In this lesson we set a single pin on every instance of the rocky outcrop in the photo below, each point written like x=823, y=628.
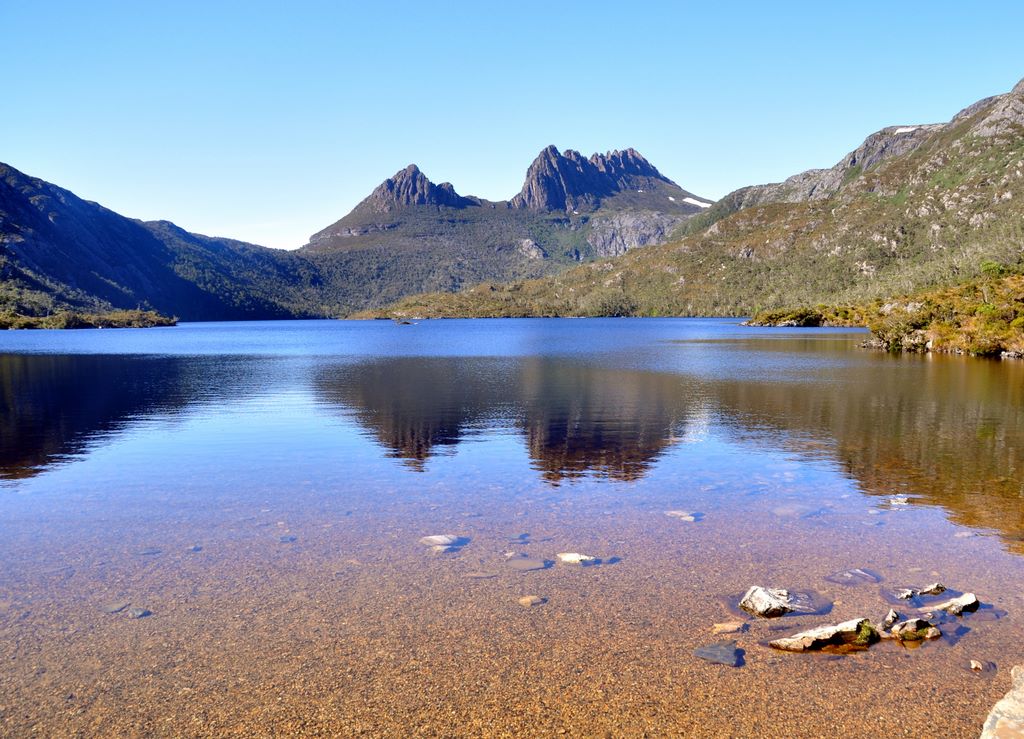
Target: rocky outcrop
x=618, y=233
x=411, y=187
x=570, y=182
x=531, y=249
x=1006, y=116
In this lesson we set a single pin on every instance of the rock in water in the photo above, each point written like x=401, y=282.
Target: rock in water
x=526, y=564
x=857, y=632
x=575, y=558
x=956, y=606
x=139, y=613
x=915, y=629
x=766, y=602
x=890, y=618
x=730, y=627
x=1006, y=719
x=442, y=540
x=684, y=515
x=115, y=606
x=934, y=589
x=529, y=601
x=721, y=653
x=857, y=576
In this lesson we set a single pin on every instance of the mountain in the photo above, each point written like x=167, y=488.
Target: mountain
x=912, y=207
x=409, y=235
x=57, y=250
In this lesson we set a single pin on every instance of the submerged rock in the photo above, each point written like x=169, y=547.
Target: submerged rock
x=1006, y=719
x=685, y=515
x=139, y=613
x=575, y=558
x=444, y=543
x=858, y=576
x=730, y=627
x=527, y=564
x=115, y=606
x=529, y=601
x=956, y=606
x=288, y=539
x=857, y=632
x=721, y=653
x=444, y=540
x=915, y=629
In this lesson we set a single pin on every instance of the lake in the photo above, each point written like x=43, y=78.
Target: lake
x=215, y=528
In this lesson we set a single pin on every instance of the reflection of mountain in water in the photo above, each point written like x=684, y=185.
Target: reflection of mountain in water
x=577, y=418
x=53, y=406
x=950, y=430
x=415, y=405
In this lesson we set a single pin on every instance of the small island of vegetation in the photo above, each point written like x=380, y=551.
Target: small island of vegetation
x=72, y=319
x=982, y=317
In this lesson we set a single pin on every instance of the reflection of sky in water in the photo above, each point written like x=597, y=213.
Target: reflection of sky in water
x=371, y=407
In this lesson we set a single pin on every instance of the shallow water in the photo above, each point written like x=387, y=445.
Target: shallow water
x=261, y=489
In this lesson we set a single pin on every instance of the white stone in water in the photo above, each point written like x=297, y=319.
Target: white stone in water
x=574, y=558
x=906, y=593
x=956, y=606
x=1006, y=719
x=439, y=540
x=934, y=589
x=529, y=601
x=890, y=618
x=766, y=602
x=682, y=515
x=899, y=500
x=847, y=632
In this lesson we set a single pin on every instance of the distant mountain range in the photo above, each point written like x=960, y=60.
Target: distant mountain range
x=914, y=206
x=409, y=235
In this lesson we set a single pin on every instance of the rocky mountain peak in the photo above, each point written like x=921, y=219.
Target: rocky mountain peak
x=410, y=186
x=569, y=181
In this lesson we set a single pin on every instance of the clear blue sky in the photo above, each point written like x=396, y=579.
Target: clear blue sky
x=266, y=121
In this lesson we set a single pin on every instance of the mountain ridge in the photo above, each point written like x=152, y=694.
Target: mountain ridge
x=911, y=207
x=59, y=251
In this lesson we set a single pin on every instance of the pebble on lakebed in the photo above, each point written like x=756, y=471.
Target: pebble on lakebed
x=721, y=653
x=688, y=516
x=528, y=564
x=139, y=613
x=575, y=558
x=444, y=543
x=529, y=601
